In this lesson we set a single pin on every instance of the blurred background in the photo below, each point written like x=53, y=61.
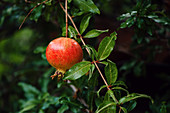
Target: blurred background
x=142, y=50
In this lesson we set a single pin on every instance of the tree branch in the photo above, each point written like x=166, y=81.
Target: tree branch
x=85, y=45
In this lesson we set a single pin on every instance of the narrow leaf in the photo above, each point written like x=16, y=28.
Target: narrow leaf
x=123, y=109
x=72, y=32
x=132, y=97
x=77, y=70
x=112, y=95
x=63, y=108
x=86, y=6
x=92, y=67
x=93, y=52
x=29, y=107
x=131, y=105
x=30, y=91
x=94, y=33
x=100, y=89
x=84, y=23
x=111, y=72
x=107, y=104
x=107, y=97
x=108, y=109
x=120, y=88
x=120, y=83
x=93, y=80
x=105, y=48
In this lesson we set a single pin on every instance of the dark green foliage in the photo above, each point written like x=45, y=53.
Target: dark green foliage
x=26, y=85
x=147, y=22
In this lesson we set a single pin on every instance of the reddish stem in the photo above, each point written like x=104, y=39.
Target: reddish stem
x=66, y=19
x=31, y=11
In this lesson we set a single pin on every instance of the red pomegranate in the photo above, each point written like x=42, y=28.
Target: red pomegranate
x=62, y=53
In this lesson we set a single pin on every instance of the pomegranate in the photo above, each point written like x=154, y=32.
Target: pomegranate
x=62, y=53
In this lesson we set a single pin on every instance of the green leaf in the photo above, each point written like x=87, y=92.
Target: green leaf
x=77, y=70
x=43, y=81
x=36, y=13
x=107, y=97
x=69, y=1
x=105, y=48
x=104, y=62
x=90, y=99
x=93, y=52
x=72, y=32
x=76, y=12
x=128, y=65
x=123, y=109
x=48, y=2
x=131, y=105
x=40, y=49
x=29, y=107
x=100, y=90
x=120, y=88
x=93, y=80
x=111, y=72
x=41, y=111
x=86, y=6
x=85, y=22
x=30, y=91
x=112, y=95
x=103, y=106
x=63, y=108
x=92, y=67
x=163, y=108
x=114, y=35
x=128, y=23
x=132, y=97
x=98, y=101
x=107, y=110
x=94, y=33
x=2, y=20
x=120, y=83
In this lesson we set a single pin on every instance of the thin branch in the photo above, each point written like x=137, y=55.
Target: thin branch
x=29, y=1
x=66, y=19
x=84, y=45
x=120, y=110
x=80, y=99
x=74, y=27
x=31, y=11
x=101, y=75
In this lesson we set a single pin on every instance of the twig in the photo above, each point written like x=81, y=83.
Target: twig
x=80, y=99
x=29, y=1
x=74, y=27
x=101, y=75
x=31, y=11
x=120, y=110
x=66, y=19
x=84, y=45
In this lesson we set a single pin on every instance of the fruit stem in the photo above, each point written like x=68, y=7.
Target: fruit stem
x=66, y=19
x=81, y=38
x=57, y=73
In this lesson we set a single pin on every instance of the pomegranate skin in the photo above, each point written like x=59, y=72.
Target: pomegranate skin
x=62, y=53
